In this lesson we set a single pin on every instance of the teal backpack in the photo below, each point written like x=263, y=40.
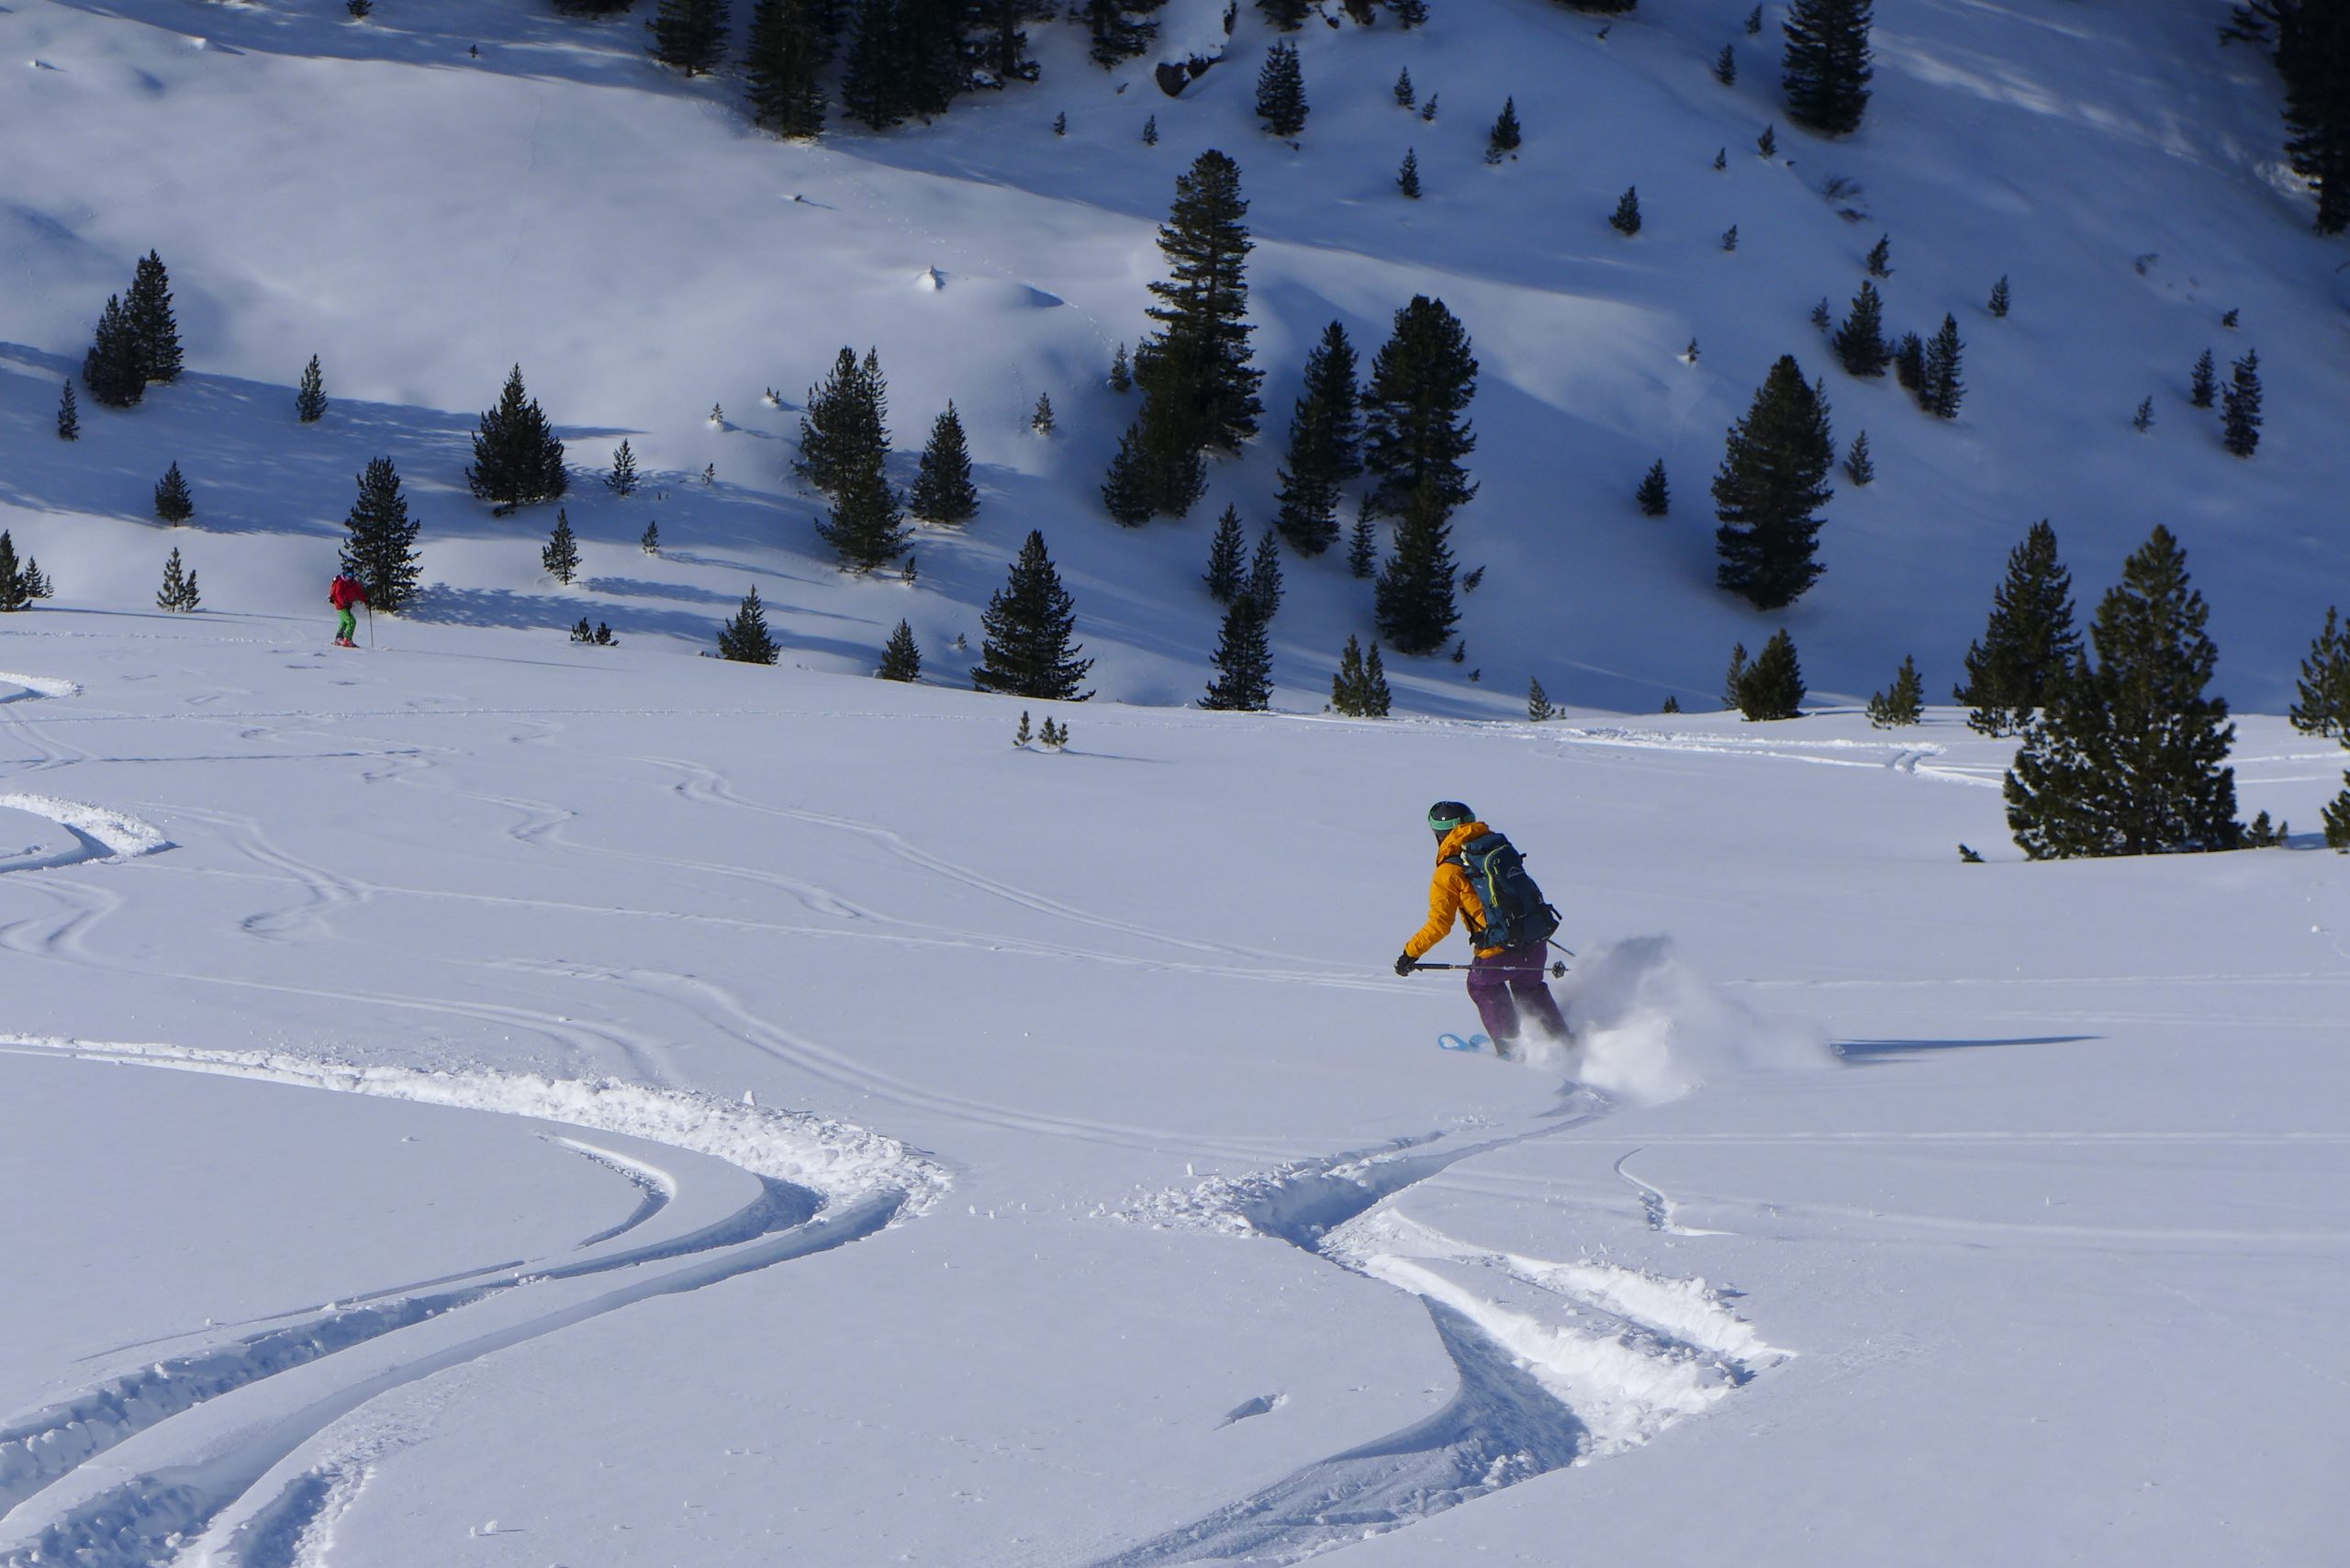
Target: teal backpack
x=1516, y=912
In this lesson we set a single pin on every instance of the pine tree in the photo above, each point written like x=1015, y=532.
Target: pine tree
x=1242, y=660
x=69, y=417
x=1999, y=297
x=2323, y=690
x=1359, y=688
x=1735, y=676
x=178, y=593
x=379, y=549
x=865, y=526
x=1726, y=66
x=517, y=459
x=1826, y=72
x=1729, y=241
x=561, y=556
x=1654, y=497
x=1627, y=217
x=2336, y=817
x=2144, y=418
x=1280, y=92
x=311, y=400
x=1406, y=97
x=650, y=540
x=2129, y=756
x=1041, y=419
x=1265, y=575
x=690, y=35
x=901, y=659
x=1767, y=144
x=1772, y=687
x=1905, y=704
x=1428, y=110
x=1150, y=132
x=174, y=503
x=1909, y=363
x=1122, y=376
x=781, y=56
x=1754, y=21
x=1061, y=123
x=875, y=89
x=844, y=429
x=1770, y=488
x=621, y=480
x=2201, y=386
x=1409, y=13
x=1027, y=650
x=112, y=369
x=1722, y=159
x=1287, y=15
x=1538, y=702
x=1860, y=341
x=1362, y=544
x=1859, y=467
x=1407, y=178
x=1880, y=257
x=1227, y=555
x=942, y=491
x=1126, y=491
x=1325, y=446
x=2312, y=55
x=1414, y=604
x=746, y=639
x=2029, y=644
x=1414, y=429
x=1940, y=389
x=1020, y=735
x=2239, y=407
x=152, y=325
x=1200, y=357
x=1505, y=137
x=15, y=590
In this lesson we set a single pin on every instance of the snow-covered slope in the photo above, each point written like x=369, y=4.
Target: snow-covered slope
x=423, y=216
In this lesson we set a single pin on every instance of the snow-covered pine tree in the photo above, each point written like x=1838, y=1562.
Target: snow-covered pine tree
x=1859, y=466
x=1771, y=485
x=1860, y=341
x=942, y=491
x=2323, y=694
x=380, y=544
x=2239, y=407
x=690, y=35
x=2203, y=383
x=1505, y=136
x=901, y=658
x=781, y=56
x=174, y=502
x=2000, y=299
x=2129, y=756
x=1772, y=687
x=1538, y=702
x=1654, y=497
x=69, y=417
x=517, y=459
x=178, y=593
x=866, y=528
x=1940, y=389
x=1905, y=703
x=1280, y=91
x=1826, y=70
x=1325, y=446
x=1242, y=660
x=112, y=369
x=1414, y=603
x=152, y=325
x=560, y=556
x=1625, y=220
x=1227, y=558
x=2030, y=643
x=1264, y=583
x=310, y=398
x=621, y=481
x=1407, y=178
x=1026, y=651
x=746, y=639
x=1414, y=430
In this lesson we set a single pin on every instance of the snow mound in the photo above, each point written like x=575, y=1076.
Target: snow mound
x=119, y=835
x=38, y=684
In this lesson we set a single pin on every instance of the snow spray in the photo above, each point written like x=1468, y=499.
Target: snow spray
x=1648, y=1028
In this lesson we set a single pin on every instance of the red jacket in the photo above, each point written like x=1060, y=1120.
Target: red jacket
x=345, y=592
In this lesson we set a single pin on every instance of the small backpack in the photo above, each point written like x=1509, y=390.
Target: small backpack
x=1516, y=912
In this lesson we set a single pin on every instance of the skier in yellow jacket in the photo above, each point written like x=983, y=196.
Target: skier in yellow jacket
x=1502, y=981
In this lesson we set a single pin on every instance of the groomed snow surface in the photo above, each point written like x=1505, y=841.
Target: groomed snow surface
x=488, y=1101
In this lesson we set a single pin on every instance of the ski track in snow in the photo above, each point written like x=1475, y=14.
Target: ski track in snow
x=1558, y=1363
x=808, y=1185
x=1916, y=759
x=99, y=834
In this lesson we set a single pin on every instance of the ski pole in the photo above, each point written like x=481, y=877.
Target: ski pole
x=1557, y=970
x=1563, y=948
x=371, y=628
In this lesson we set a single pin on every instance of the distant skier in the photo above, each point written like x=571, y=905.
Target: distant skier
x=342, y=593
x=1481, y=878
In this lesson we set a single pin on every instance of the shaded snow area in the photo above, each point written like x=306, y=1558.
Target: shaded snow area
x=479, y=1098
x=529, y=1112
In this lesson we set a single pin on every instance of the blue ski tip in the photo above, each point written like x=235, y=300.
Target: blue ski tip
x=1455, y=1043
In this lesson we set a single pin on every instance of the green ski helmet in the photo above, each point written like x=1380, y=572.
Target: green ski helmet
x=1446, y=815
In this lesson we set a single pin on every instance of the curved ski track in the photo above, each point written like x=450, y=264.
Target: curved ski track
x=759, y=1188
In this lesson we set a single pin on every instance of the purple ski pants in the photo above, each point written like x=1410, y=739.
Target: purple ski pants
x=1510, y=982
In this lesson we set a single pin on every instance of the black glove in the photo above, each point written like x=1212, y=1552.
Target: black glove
x=1406, y=964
